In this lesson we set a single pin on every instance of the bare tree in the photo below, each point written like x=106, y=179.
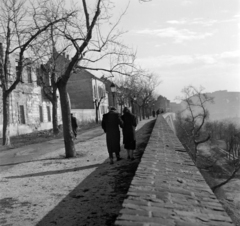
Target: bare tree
x=90, y=45
x=123, y=93
x=48, y=73
x=232, y=139
x=195, y=115
x=21, y=25
x=145, y=86
x=49, y=50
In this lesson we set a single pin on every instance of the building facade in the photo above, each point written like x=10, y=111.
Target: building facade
x=86, y=92
x=29, y=110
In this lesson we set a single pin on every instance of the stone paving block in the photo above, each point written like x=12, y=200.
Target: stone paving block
x=135, y=212
x=184, y=223
x=180, y=191
x=217, y=223
x=143, y=188
x=144, y=219
x=219, y=217
x=134, y=204
x=127, y=223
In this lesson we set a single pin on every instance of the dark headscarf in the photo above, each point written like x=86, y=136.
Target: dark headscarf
x=126, y=110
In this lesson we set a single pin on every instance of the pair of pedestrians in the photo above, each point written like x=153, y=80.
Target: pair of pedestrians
x=110, y=124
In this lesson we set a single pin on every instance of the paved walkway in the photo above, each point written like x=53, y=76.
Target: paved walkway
x=32, y=152
x=168, y=189
x=52, y=190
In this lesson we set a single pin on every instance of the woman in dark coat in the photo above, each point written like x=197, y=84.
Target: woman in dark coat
x=129, y=136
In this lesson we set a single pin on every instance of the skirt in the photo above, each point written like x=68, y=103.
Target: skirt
x=131, y=145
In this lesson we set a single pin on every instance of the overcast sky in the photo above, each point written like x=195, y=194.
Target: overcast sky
x=186, y=42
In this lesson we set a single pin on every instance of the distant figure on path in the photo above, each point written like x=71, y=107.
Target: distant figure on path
x=153, y=114
x=158, y=112
x=110, y=124
x=74, y=125
x=129, y=135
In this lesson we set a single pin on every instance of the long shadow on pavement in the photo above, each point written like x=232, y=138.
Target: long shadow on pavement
x=98, y=199
x=52, y=172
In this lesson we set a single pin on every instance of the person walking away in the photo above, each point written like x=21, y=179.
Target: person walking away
x=153, y=114
x=158, y=112
x=74, y=125
x=129, y=134
x=110, y=124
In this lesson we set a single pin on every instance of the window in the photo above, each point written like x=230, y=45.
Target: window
x=21, y=115
x=40, y=113
x=49, y=113
x=94, y=92
x=100, y=92
x=29, y=74
x=17, y=70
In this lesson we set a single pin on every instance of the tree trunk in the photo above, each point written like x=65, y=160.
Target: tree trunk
x=143, y=112
x=97, y=114
x=54, y=112
x=6, y=120
x=195, y=153
x=140, y=115
x=66, y=119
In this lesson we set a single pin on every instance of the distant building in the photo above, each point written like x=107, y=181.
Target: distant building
x=85, y=91
x=162, y=103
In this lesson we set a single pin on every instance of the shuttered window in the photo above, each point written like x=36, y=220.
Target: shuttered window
x=21, y=115
x=49, y=113
x=29, y=74
x=40, y=113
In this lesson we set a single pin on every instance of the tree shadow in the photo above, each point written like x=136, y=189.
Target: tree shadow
x=98, y=199
x=61, y=157
x=39, y=160
x=52, y=172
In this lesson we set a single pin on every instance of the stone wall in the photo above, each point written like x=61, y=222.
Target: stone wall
x=84, y=115
x=30, y=97
x=168, y=189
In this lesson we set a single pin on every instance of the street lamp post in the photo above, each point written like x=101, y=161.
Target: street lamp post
x=147, y=109
x=113, y=90
x=133, y=100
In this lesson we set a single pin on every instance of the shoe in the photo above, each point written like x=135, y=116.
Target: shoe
x=111, y=161
x=118, y=158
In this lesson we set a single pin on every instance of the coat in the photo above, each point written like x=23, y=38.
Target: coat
x=110, y=124
x=129, y=125
x=74, y=122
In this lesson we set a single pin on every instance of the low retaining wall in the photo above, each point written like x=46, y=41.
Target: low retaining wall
x=168, y=189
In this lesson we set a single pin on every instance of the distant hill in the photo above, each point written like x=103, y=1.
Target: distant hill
x=226, y=105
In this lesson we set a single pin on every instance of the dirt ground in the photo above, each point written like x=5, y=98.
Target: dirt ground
x=53, y=190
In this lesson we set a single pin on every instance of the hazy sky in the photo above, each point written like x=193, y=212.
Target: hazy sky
x=186, y=42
